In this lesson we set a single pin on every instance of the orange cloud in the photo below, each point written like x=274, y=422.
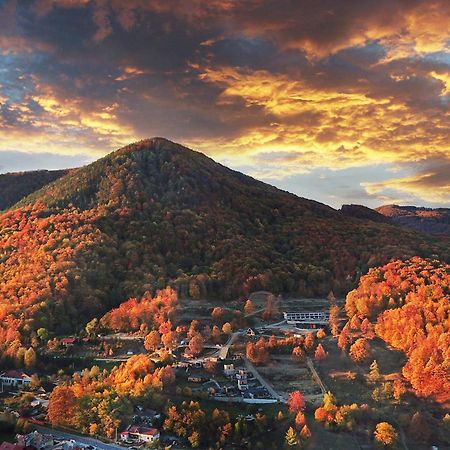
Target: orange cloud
x=351, y=128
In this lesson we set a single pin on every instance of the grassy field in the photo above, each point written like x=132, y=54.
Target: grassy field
x=323, y=439
x=337, y=370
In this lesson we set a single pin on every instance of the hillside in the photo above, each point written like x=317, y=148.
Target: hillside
x=363, y=212
x=409, y=302
x=17, y=185
x=425, y=220
x=156, y=213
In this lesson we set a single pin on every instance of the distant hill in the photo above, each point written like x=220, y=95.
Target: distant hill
x=154, y=214
x=426, y=220
x=17, y=185
x=363, y=212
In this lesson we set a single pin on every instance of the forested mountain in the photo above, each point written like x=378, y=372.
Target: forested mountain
x=154, y=214
x=17, y=185
x=426, y=220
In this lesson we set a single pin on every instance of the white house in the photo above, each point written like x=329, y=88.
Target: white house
x=241, y=377
x=14, y=379
x=136, y=433
x=229, y=370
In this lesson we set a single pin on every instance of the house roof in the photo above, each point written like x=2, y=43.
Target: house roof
x=142, y=430
x=68, y=340
x=149, y=431
x=15, y=374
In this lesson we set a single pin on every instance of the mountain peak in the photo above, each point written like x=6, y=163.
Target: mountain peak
x=148, y=171
x=156, y=143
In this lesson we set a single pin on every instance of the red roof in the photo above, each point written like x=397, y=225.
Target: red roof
x=15, y=374
x=141, y=430
x=9, y=446
x=68, y=340
x=149, y=431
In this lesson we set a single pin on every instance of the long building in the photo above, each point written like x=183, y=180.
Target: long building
x=310, y=317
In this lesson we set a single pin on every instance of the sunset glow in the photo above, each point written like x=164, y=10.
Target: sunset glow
x=340, y=101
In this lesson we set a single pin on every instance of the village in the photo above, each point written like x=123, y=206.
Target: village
x=226, y=373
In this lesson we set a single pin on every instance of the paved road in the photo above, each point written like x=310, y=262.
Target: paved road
x=315, y=375
x=223, y=352
x=251, y=368
x=253, y=313
x=82, y=439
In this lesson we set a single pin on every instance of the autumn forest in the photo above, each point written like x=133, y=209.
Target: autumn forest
x=127, y=244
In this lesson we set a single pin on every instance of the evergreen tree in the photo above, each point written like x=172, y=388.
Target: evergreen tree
x=374, y=373
x=291, y=438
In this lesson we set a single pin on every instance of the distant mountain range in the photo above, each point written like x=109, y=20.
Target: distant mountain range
x=425, y=220
x=155, y=213
x=15, y=186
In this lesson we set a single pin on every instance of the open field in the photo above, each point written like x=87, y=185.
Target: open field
x=346, y=379
x=287, y=375
x=323, y=439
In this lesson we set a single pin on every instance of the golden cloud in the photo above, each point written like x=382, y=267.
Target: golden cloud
x=63, y=125
x=351, y=128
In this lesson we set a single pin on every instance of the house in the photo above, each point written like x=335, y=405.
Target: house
x=36, y=440
x=182, y=364
x=231, y=391
x=241, y=377
x=242, y=384
x=197, y=379
x=68, y=341
x=250, y=332
x=229, y=370
x=142, y=434
x=9, y=446
x=14, y=379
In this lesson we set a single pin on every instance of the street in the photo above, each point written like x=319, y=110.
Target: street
x=63, y=435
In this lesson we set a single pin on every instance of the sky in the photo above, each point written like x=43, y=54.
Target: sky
x=341, y=101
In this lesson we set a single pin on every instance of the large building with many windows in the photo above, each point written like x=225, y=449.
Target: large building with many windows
x=309, y=317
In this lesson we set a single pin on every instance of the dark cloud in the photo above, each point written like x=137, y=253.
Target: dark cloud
x=293, y=86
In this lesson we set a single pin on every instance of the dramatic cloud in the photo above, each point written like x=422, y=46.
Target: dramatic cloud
x=296, y=93
x=432, y=183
